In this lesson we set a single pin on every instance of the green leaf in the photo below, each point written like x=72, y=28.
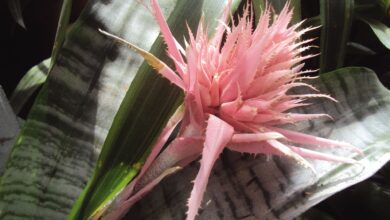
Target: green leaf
x=278, y=5
x=380, y=30
x=258, y=6
x=336, y=18
x=242, y=186
x=16, y=12
x=297, y=16
x=62, y=26
x=142, y=112
x=30, y=82
x=9, y=129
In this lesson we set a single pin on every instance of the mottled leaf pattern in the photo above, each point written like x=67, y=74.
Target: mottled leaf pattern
x=59, y=142
x=244, y=187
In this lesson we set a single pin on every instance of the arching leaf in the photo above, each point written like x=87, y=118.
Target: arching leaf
x=30, y=82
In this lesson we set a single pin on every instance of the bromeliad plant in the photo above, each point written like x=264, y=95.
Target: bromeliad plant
x=57, y=147
x=236, y=96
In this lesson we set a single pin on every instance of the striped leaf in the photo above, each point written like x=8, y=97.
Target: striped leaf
x=58, y=146
x=244, y=187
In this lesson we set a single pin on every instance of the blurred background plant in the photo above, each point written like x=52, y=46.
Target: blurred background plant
x=352, y=33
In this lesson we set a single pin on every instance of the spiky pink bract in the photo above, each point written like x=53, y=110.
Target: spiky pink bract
x=236, y=95
x=236, y=91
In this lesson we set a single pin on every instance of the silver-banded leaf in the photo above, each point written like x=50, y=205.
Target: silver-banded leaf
x=58, y=146
x=9, y=129
x=59, y=142
x=336, y=20
x=244, y=187
x=31, y=81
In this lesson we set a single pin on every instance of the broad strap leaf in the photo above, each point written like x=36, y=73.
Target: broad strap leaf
x=58, y=146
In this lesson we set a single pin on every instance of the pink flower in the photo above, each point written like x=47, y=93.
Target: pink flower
x=235, y=97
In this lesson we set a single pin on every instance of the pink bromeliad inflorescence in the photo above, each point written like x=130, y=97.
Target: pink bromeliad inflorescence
x=235, y=97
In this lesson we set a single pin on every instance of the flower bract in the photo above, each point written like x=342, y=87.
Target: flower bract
x=236, y=85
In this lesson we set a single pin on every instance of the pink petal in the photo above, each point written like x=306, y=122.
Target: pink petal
x=230, y=108
x=266, y=83
x=286, y=151
x=314, y=96
x=180, y=152
x=246, y=113
x=193, y=100
x=170, y=75
x=296, y=117
x=298, y=84
x=243, y=74
x=218, y=134
x=320, y=156
x=194, y=115
x=254, y=137
x=270, y=147
x=254, y=148
x=266, y=117
x=301, y=138
x=221, y=27
x=119, y=212
x=166, y=32
x=156, y=149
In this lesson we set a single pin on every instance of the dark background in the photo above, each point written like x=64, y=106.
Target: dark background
x=23, y=48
